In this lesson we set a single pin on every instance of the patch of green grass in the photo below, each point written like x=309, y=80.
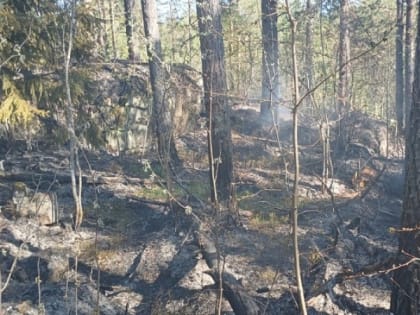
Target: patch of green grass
x=265, y=205
x=137, y=170
x=263, y=201
x=115, y=213
x=155, y=192
x=254, y=204
x=315, y=256
x=268, y=274
x=159, y=193
x=145, y=169
x=268, y=219
x=199, y=189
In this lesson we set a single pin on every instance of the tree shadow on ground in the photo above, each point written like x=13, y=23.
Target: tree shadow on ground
x=159, y=291
x=287, y=304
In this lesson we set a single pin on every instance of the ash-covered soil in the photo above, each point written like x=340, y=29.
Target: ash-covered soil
x=136, y=252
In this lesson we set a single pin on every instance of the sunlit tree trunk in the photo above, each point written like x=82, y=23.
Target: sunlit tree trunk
x=102, y=32
x=344, y=76
x=218, y=111
x=270, y=89
x=112, y=20
x=405, y=298
x=408, y=58
x=162, y=118
x=399, y=66
x=309, y=48
x=190, y=29
x=296, y=178
x=75, y=171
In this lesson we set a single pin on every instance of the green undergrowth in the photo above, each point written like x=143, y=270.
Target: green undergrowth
x=116, y=214
x=269, y=207
x=153, y=192
x=158, y=192
x=269, y=219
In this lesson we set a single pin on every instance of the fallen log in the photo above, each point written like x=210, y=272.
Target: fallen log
x=63, y=177
x=36, y=178
x=240, y=300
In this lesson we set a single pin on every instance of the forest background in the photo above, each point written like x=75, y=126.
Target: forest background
x=152, y=80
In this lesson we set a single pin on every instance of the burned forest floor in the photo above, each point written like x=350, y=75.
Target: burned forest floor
x=137, y=251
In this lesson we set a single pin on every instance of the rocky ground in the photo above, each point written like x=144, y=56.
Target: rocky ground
x=137, y=253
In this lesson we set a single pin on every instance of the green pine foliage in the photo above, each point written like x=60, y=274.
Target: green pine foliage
x=34, y=36
x=14, y=108
x=33, y=43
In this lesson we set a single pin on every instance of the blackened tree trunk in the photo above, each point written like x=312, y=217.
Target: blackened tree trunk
x=405, y=298
x=128, y=12
x=270, y=92
x=161, y=115
x=344, y=77
x=399, y=67
x=215, y=101
x=408, y=64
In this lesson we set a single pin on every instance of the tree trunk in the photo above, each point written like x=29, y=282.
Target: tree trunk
x=128, y=12
x=190, y=30
x=100, y=41
x=343, y=89
x=296, y=159
x=75, y=171
x=240, y=300
x=102, y=33
x=162, y=120
x=112, y=17
x=399, y=67
x=215, y=101
x=408, y=76
x=344, y=75
x=270, y=89
x=405, y=298
x=309, y=49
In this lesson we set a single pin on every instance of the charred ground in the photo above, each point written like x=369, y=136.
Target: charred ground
x=136, y=253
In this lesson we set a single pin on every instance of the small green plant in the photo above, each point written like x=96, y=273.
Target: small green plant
x=200, y=189
x=315, y=256
x=154, y=192
x=268, y=274
x=268, y=219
